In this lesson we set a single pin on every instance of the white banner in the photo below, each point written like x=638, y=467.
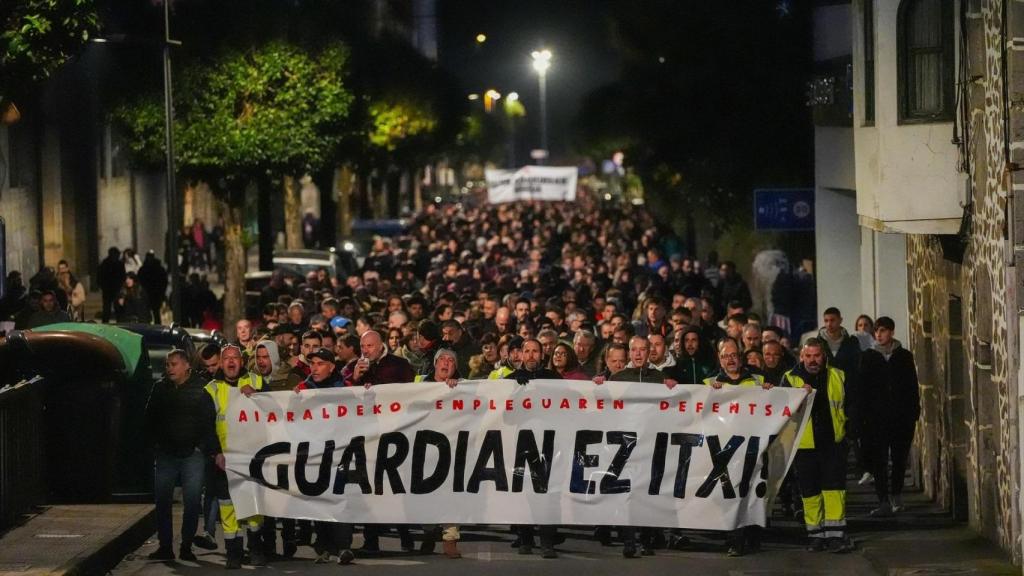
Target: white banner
x=550, y=183
x=495, y=452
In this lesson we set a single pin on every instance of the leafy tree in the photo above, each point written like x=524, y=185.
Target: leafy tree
x=270, y=112
x=37, y=37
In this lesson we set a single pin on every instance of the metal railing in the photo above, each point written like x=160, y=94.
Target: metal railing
x=22, y=484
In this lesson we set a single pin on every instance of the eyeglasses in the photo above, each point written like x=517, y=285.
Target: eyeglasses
x=729, y=356
x=560, y=353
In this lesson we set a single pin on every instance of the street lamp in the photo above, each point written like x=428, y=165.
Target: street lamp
x=541, y=63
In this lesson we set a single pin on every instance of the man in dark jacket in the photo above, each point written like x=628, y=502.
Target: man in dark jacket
x=333, y=538
x=459, y=342
x=891, y=406
x=532, y=369
x=692, y=360
x=376, y=365
x=180, y=419
x=111, y=277
x=732, y=286
x=533, y=366
x=153, y=278
x=843, y=349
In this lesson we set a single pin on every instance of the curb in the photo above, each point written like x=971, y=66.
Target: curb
x=101, y=560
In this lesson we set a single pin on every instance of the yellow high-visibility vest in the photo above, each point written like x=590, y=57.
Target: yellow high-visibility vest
x=218, y=390
x=500, y=373
x=752, y=380
x=836, y=400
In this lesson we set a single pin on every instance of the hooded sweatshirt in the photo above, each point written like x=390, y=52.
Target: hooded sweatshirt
x=278, y=379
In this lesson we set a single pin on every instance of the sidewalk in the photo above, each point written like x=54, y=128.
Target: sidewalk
x=75, y=539
x=921, y=541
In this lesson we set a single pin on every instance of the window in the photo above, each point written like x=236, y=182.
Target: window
x=925, y=44
x=868, y=20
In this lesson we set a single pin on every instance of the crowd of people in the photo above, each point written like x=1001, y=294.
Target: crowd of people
x=522, y=292
x=519, y=292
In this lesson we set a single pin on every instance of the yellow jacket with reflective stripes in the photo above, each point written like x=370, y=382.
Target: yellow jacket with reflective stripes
x=749, y=380
x=836, y=405
x=218, y=390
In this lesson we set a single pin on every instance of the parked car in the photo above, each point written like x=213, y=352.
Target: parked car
x=302, y=262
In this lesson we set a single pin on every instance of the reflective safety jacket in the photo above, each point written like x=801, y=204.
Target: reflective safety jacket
x=835, y=398
x=500, y=373
x=219, y=389
x=747, y=378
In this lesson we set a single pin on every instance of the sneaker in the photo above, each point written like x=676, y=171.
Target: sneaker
x=187, y=555
x=346, y=557
x=206, y=542
x=233, y=563
x=548, y=553
x=647, y=550
x=734, y=552
x=162, y=555
x=322, y=558
x=525, y=549
x=629, y=552
x=884, y=510
x=896, y=502
x=817, y=545
x=867, y=477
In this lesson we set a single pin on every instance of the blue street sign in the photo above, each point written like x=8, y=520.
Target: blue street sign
x=784, y=209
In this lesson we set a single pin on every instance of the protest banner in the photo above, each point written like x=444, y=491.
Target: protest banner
x=548, y=183
x=496, y=452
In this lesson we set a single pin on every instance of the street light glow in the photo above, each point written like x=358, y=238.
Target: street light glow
x=493, y=94
x=541, y=60
x=473, y=97
x=512, y=97
x=481, y=38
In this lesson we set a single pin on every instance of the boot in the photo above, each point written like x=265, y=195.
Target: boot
x=429, y=540
x=451, y=549
x=256, y=555
x=233, y=546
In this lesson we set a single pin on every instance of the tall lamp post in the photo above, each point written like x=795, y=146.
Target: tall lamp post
x=541, y=63
x=173, y=205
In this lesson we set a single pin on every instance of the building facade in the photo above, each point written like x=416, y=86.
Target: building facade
x=938, y=137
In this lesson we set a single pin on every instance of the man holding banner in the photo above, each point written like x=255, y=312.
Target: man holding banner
x=533, y=369
x=821, y=458
x=546, y=453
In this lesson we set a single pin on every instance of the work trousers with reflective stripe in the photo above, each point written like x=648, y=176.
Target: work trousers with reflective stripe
x=228, y=522
x=821, y=473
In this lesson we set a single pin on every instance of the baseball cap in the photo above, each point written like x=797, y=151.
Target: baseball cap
x=324, y=354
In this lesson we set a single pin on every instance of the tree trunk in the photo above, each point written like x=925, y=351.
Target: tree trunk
x=346, y=181
x=265, y=218
x=234, y=261
x=292, y=214
x=417, y=191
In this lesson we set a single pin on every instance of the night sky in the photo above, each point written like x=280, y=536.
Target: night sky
x=577, y=32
